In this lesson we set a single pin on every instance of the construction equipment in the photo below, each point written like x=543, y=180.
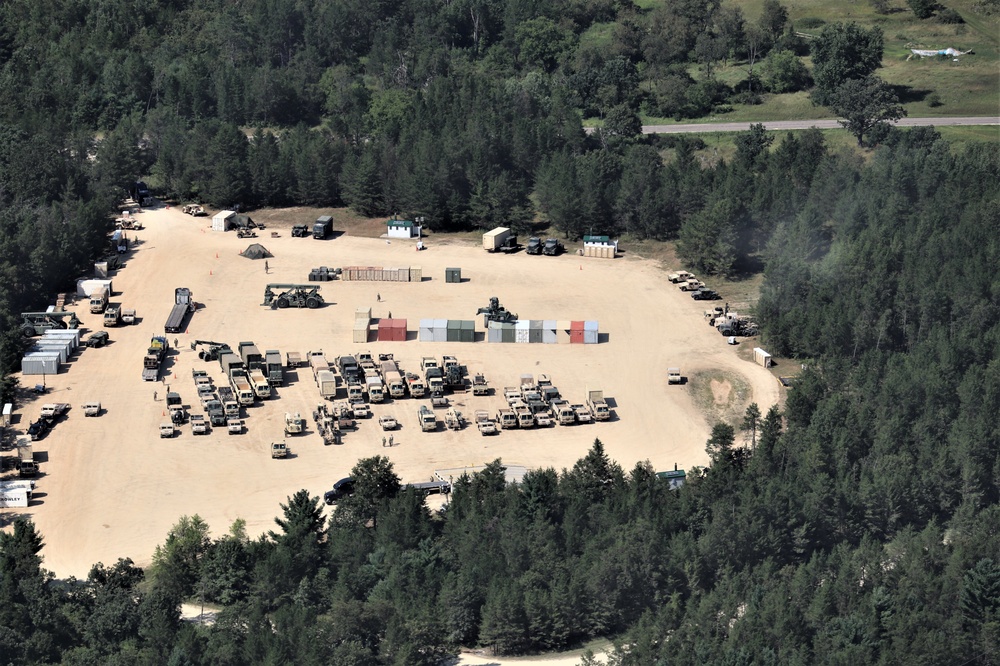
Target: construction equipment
x=300, y=231
x=279, y=450
x=152, y=362
x=496, y=312
x=480, y=386
x=553, y=247
x=194, y=210
x=454, y=374
x=534, y=245
x=211, y=350
x=598, y=406
x=183, y=304
x=294, y=425
x=426, y=418
x=500, y=239
x=674, y=376
x=484, y=423
x=292, y=295
x=35, y=323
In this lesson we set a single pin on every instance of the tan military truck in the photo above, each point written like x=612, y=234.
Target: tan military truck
x=673, y=375
x=484, y=423
x=507, y=419
x=279, y=450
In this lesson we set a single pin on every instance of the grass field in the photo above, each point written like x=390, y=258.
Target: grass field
x=927, y=87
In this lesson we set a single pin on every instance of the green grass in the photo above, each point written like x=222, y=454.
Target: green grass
x=599, y=35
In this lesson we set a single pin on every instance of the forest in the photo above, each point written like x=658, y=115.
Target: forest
x=857, y=525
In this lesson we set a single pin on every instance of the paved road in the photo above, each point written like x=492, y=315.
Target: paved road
x=778, y=125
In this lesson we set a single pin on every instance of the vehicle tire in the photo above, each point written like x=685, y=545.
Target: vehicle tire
x=312, y=303
x=282, y=303
x=28, y=331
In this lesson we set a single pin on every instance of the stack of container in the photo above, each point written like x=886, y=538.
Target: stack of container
x=548, y=331
x=321, y=274
x=380, y=274
x=50, y=351
x=453, y=275
x=362, y=325
x=447, y=330
x=392, y=330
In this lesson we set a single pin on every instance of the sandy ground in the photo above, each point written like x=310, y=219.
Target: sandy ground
x=112, y=488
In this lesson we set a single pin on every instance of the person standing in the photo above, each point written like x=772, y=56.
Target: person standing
x=390, y=441
x=267, y=269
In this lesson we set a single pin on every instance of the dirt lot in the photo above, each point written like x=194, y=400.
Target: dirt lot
x=112, y=488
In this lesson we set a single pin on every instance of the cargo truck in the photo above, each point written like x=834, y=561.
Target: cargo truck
x=99, y=300
x=392, y=379
x=376, y=392
x=415, y=385
x=327, y=383
x=480, y=386
x=128, y=316
x=507, y=419
x=241, y=387
x=275, y=373
x=153, y=361
x=322, y=227
x=259, y=385
x=230, y=405
x=113, y=315
x=565, y=414
x=183, y=304
x=251, y=355
x=318, y=362
x=355, y=389
x=26, y=465
x=673, y=375
x=598, y=406
x=293, y=360
x=500, y=239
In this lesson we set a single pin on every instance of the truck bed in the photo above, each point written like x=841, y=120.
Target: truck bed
x=150, y=374
x=175, y=321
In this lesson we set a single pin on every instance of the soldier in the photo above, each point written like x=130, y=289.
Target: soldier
x=383, y=442
x=390, y=441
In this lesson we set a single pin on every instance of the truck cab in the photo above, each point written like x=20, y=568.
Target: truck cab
x=534, y=245
x=112, y=316
x=99, y=300
x=279, y=450
x=428, y=422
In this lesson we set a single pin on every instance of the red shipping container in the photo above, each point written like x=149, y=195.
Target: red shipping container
x=576, y=336
x=399, y=330
x=384, y=330
x=576, y=326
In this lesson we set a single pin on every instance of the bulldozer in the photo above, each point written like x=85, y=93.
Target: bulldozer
x=292, y=295
x=496, y=312
x=34, y=323
x=211, y=351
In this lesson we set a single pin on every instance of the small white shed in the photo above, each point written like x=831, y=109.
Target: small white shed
x=222, y=220
x=402, y=229
x=761, y=357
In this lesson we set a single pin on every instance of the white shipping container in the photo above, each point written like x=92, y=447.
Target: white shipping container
x=51, y=348
x=440, y=330
x=40, y=364
x=426, y=333
x=221, y=220
x=86, y=287
x=589, y=337
x=71, y=334
x=14, y=498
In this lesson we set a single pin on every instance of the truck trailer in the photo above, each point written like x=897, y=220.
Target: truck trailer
x=183, y=304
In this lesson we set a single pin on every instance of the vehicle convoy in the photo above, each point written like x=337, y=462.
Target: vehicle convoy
x=500, y=239
x=152, y=363
x=183, y=304
x=322, y=227
x=484, y=423
x=426, y=418
x=534, y=245
x=281, y=296
x=480, y=386
x=598, y=405
x=36, y=323
x=210, y=350
x=553, y=247
x=99, y=300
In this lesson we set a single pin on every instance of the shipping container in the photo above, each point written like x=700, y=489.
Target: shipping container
x=40, y=363
x=426, y=330
x=73, y=335
x=363, y=313
x=416, y=274
x=384, y=330
x=522, y=329
x=453, y=275
x=51, y=348
x=508, y=334
x=562, y=331
x=576, y=336
x=468, y=330
x=494, y=332
x=361, y=331
x=454, y=330
x=535, y=331
x=399, y=330
x=549, y=331
x=576, y=325
x=590, y=337
x=440, y=330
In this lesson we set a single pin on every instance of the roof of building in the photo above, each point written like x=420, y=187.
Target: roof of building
x=596, y=239
x=399, y=223
x=672, y=474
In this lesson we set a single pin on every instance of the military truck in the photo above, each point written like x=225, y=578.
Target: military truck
x=415, y=385
x=553, y=247
x=230, y=405
x=585, y=414
x=128, y=316
x=283, y=296
x=500, y=239
x=99, y=300
x=534, y=245
x=275, y=373
x=279, y=450
x=507, y=419
x=453, y=419
x=113, y=314
x=480, y=386
x=564, y=413
x=392, y=379
x=322, y=227
x=598, y=406
x=152, y=362
x=426, y=419
x=259, y=385
x=674, y=375
x=27, y=467
x=91, y=408
x=54, y=410
x=375, y=389
x=484, y=423
x=327, y=383
x=294, y=425
x=300, y=231
x=183, y=304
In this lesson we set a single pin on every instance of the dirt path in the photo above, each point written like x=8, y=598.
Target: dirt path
x=112, y=488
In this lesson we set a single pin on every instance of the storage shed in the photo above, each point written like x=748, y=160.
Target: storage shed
x=222, y=220
x=599, y=246
x=402, y=229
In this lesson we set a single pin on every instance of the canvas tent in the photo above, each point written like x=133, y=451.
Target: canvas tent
x=256, y=251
